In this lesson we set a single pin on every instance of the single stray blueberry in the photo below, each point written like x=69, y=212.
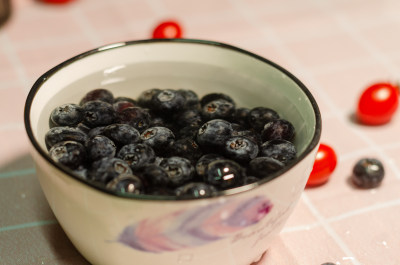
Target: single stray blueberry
x=368, y=173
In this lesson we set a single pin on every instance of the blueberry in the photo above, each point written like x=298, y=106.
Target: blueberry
x=121, y=105
x=189, y=117
x=153, y=176
x=107, y=169
x=368, y=173
x=195, y=190
x=68, y=153
x=279, y=149
x=204, y=161
x=138, y=118
x=96, y=131
x=144, y=99
x=98, y=113
x=160, y=191
x=224, y=174
x=278, y=129
x=60, y=134
x=179, y=170
x=126, y=183
x=214, y=133
x=99, y=147
x=249, y=134
x=167, y=101
x=136, y=154
x=125, y=99
x=262, y=167
x=81, y=172
x=83, y=127
x=188, y=132
x=187, y=148
x=67, y=115
x=259, y=116
x=98, y=94
x=191, y=99
x=240, y=149
x=159, y=138
x=218, y=109
x=121, y=134
x=240, y=117
x=250, y=180
x=157, y=121
x=215, y=96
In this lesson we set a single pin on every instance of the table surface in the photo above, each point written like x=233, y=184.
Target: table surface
x=336, y=47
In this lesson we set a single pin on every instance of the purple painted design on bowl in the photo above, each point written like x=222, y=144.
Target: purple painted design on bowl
x=195, y=226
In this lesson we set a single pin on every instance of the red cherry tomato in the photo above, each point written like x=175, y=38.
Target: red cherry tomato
x=167, y=30
x=56, y=1
x=324, y=164
x=378, y=103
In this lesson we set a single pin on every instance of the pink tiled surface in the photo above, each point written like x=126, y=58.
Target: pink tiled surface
x=336, y=47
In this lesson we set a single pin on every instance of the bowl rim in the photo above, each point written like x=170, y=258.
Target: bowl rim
x=44, y=77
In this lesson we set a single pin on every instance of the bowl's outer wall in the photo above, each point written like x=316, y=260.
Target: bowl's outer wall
x=94, y=220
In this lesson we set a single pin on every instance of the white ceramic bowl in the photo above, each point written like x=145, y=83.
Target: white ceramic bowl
x=235, y=227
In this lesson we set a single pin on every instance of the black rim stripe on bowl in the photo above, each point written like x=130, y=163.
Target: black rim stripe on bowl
x=41, y=80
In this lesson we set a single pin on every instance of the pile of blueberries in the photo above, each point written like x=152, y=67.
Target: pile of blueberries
x=168, y=142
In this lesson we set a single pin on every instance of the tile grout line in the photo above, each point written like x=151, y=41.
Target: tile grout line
x=27, y=225
x=17, y=173
x=88, y=31
x=368, y=209
x=330, y=231
x=356, y=36
x=343, y=216
x=9, y=51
